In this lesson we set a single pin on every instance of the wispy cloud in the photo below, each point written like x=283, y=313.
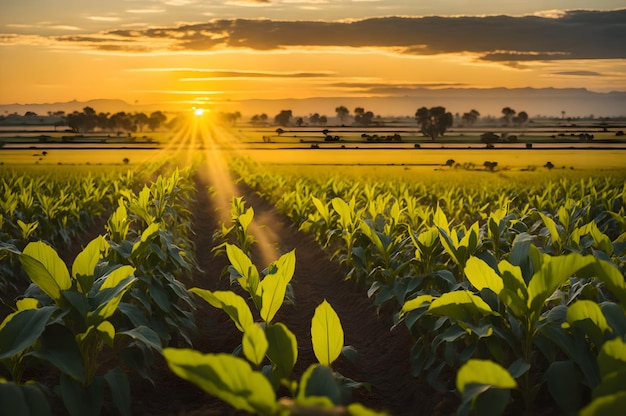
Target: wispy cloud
x=580, y=73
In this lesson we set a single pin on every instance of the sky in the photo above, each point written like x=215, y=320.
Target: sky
x=216, y=54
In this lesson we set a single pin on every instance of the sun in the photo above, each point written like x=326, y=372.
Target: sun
x=198, y=112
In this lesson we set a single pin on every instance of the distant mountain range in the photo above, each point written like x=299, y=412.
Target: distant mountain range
x=551, y=102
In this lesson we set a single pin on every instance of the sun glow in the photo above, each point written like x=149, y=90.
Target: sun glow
x=198, y=111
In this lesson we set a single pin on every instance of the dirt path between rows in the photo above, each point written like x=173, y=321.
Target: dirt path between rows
x=383, y=355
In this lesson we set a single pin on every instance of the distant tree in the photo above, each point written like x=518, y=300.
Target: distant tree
x=283, y=118
x=521, y=118
x=507, y=114
x=342, y=113
x=314, y=118
x=362, y=117
x=489, y=137
x=231, y=118
x=434, y=121
x=279, y=131
x=490, y=165
x=82, y=122
x=156, y=120
x=323, y=120
x=140, y=120
x=299, y=121
x=30, y=114
x=471, y=117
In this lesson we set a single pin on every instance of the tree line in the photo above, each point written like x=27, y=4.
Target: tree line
x=433, y=121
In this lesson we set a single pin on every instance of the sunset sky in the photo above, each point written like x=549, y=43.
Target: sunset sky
x=214, y=54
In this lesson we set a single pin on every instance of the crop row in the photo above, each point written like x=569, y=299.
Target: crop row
x=119, y=304
x=516, y=293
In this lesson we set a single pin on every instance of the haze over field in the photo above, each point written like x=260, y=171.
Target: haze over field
x=390, y=56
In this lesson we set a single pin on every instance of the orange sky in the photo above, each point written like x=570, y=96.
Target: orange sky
x=215, y=54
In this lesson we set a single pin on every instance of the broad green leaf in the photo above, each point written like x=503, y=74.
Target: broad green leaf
x=24, y=328
x=245, y=219
x=610, y=275
x=326, y=334
x=611, y=405
x=231, y=303
x=552, y=228
x=344, y=211
x=249, y=279
x=26, y=303
x=564, y=381
x=254, y=344
x=46, y=269
x=272, y=289
x=285, y=266
x=224, y=376
x=106, y=301
x=415, y=303
x=484, y=372
x=440, y=220
x=460, y=305
x=358, y=409
x=514, y=293
x=85, y=263
x=322, y=208
x=120, y=390
x=82, y=400
x=553, y=272
x=107, y=332
x=612, y=356
x=144, y=335
x=113, y=278
x=282, y=347
x=58, y=347
x=151, y=231
x=482, y=276
x=319, y=387
x=583, y=310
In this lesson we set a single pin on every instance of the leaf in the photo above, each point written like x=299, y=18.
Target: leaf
x=46, y=269
x=282, y=347
x=611, y=405
x=145, y=335
x=113, y=278
x=564, y=382
x=415, y=303
x=82, y=400
x=482, y=276
x=326, y=334
x=24, y=328
x=120, y=390
x=249, y=279
x=553, y=272
x=484, y=372
x=246, y=218
x=254, y=344
x=224, y=376
x=58, y=347
x=612, y=356
x=272, y=289
x=318, y=381
x=460, y=304
x=231, y=303
x=106, y=301
x=85, y=263
x=587, y=310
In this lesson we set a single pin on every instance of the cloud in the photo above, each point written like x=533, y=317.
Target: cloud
x=580, y=73
x=577, y=34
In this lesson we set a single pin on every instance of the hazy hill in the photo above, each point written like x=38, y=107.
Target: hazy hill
x=575, y=102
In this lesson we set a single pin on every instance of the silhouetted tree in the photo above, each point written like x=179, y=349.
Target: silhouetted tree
x=283, y=118
x=342, y=113
x=471, y=117
x=521, y=118
x=140, y=120
x=362, y=117
x=507, y=114
x=156, y=120
x=434, y=121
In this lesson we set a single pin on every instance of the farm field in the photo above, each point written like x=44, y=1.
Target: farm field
x=352, y=280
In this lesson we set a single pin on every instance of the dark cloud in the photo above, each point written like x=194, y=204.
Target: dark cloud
x=580, y=73
x=396, y=89
x=574, y=35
